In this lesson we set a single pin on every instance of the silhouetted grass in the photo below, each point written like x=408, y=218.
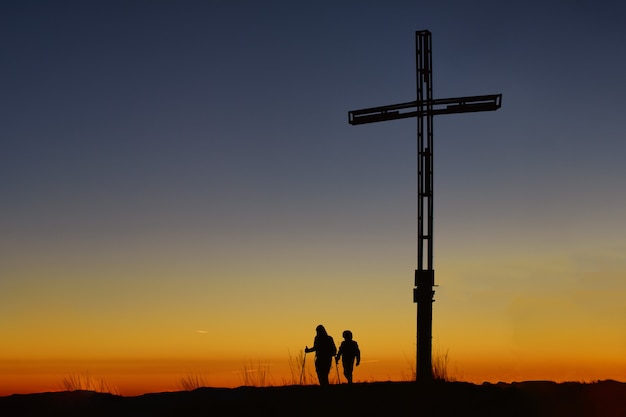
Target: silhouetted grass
x=300, y=373
x=440, y=362
x=440, y=366
x=85, y=382
x=191, y=382
x=255, y=374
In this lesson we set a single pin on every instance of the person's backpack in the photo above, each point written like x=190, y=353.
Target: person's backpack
x=332, y=349
x=327, y=347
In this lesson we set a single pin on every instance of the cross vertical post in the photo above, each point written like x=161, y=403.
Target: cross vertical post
x=424, y=109
x=423, y=292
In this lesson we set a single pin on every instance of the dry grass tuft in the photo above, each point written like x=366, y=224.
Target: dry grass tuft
x=85, y=382
x=300, y=372
x=440, y=366
x=191, y=382
x=255, y=374
x=440, y=362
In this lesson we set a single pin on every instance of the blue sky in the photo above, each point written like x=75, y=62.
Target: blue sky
x=181, y=161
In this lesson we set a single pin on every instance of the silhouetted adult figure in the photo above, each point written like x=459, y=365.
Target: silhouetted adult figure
x=348, y=352
x=325, y=349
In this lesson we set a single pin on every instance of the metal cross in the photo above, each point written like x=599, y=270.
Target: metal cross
x=424, y=108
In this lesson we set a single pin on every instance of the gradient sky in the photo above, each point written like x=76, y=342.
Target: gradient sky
x=181, y=192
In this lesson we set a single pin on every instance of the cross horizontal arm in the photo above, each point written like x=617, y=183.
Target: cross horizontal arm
x=439, y=106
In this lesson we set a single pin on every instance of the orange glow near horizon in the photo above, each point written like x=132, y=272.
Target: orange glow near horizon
x=492, y=329
x=137, y=377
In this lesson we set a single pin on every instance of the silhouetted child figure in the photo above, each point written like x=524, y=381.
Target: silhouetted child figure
x=324, y=348
x=348, y=351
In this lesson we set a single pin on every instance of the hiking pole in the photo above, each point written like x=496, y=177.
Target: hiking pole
x=303, y=362
x=337, y=369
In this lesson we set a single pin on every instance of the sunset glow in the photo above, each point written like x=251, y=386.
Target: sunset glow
x=182, y=194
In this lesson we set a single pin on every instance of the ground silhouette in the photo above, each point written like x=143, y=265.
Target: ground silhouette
x=600, y=399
